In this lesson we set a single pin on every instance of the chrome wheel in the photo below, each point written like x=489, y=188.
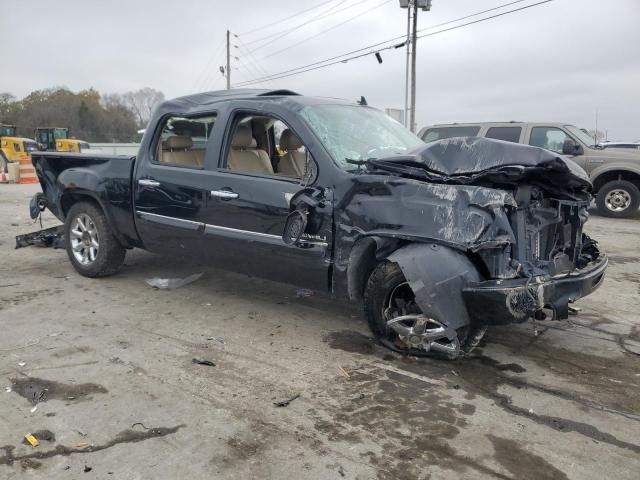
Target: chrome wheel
x=84, y=239
x=617, y=200
x=414, y=329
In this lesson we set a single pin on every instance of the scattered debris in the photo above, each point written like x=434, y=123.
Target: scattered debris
x=7, y=389
x=87, y=469
x=34, y=408
x=141, y=424
x=200, y=361
x=285, y=403
x=172, y=283
x=22, y=364
x=361, y=396
x=33, y=441
x=303, y=292
x=344, y=372
x=83, y=445
x=455, y=373
x=531, y=411
x=220, y=340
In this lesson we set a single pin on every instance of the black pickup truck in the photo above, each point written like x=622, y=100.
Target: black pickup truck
x=437, y=240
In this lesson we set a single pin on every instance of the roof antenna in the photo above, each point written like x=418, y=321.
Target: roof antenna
x=363, y=101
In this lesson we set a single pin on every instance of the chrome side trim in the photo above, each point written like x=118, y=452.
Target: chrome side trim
x=173, y=221
x=212, y=229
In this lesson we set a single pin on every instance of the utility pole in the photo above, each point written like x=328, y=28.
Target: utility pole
x=406, y=74
x=412, y=43
x=228, y=62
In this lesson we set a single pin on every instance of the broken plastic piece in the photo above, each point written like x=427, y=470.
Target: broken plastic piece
x=171, y=283
x=200, y=361
x=285, y=403
x=33, y=441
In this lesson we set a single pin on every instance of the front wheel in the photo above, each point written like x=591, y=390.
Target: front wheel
x=91, y=247
x=618, y=199
x=399, y=324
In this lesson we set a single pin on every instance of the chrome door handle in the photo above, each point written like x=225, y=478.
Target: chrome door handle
x=147, y=182
x=227, y=194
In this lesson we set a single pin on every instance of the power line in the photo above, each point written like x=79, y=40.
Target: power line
x=314, y=19
x=304, y=69
x=400, y=37
x=305, y=22
x=268, y=25
x=357, y=16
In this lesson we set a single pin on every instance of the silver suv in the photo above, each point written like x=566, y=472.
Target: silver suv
x=614, y=172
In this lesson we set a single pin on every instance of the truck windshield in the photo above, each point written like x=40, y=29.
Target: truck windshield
x=352, y=132
x=59, y=134
x=7, y=131
x=581, y=136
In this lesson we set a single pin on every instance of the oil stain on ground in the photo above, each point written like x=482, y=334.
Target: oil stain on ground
x=38, y=390
x=126, y=436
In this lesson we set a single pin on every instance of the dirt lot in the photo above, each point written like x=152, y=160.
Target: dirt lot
x=123, y=399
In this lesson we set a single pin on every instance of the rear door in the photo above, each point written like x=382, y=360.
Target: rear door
x=171, y=186
x=248, y=203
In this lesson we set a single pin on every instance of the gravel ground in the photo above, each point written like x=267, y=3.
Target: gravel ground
x=123, y=399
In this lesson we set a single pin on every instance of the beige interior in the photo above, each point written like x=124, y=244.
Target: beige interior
x=244, y=158
x=292, y=164
x=178, y=150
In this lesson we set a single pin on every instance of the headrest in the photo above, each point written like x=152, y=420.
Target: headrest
x=253, y=143
x=242, y=137
x=178, y=141
x=288, y=141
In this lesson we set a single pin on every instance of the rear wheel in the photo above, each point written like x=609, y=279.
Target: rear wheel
x=91, y=247
x=398, y=322
x=618, y=199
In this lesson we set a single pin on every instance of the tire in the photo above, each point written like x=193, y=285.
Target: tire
x=618, y=199
x=386, y=278
x=94, y=251
x=4, y=164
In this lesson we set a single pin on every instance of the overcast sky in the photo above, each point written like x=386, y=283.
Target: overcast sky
x=560, y=61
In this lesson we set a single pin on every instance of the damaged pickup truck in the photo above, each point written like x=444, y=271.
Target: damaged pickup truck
x=437, y=240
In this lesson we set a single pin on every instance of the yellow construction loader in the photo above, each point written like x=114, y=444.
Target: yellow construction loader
x=12, y=147
x=56, y=139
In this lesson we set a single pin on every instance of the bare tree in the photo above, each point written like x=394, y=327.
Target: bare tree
x=142, y=102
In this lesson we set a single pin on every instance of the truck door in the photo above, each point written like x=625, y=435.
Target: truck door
x=261, y=169
x=171, y=188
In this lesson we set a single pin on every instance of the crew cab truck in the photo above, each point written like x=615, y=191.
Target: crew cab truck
x=437, y=241
x=614, y=171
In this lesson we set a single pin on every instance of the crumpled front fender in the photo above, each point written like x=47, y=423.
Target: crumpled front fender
x=437, y=275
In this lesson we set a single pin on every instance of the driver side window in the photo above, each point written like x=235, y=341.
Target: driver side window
x=551, y=138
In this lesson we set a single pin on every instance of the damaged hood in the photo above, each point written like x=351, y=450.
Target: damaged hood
x=486, y=162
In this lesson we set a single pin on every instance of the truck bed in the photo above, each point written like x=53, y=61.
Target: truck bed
x=106, y=179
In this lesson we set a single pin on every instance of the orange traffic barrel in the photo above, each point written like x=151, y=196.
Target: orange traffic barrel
x=27, y=172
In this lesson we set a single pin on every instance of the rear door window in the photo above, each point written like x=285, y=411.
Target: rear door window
x=439, y=133
x=508, y=134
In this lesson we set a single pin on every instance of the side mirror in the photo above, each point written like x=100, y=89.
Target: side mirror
x=570, y=147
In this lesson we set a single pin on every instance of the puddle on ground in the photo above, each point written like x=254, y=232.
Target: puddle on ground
x=38, y=390
x=351, y=341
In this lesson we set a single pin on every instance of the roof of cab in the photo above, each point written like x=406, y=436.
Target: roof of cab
x=281, y=95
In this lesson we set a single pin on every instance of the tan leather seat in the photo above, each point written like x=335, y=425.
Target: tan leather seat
x=292, y=164
x=178, y=150
x=242, y=158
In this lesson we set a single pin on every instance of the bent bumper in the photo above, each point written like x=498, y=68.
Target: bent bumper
x=517, y=300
